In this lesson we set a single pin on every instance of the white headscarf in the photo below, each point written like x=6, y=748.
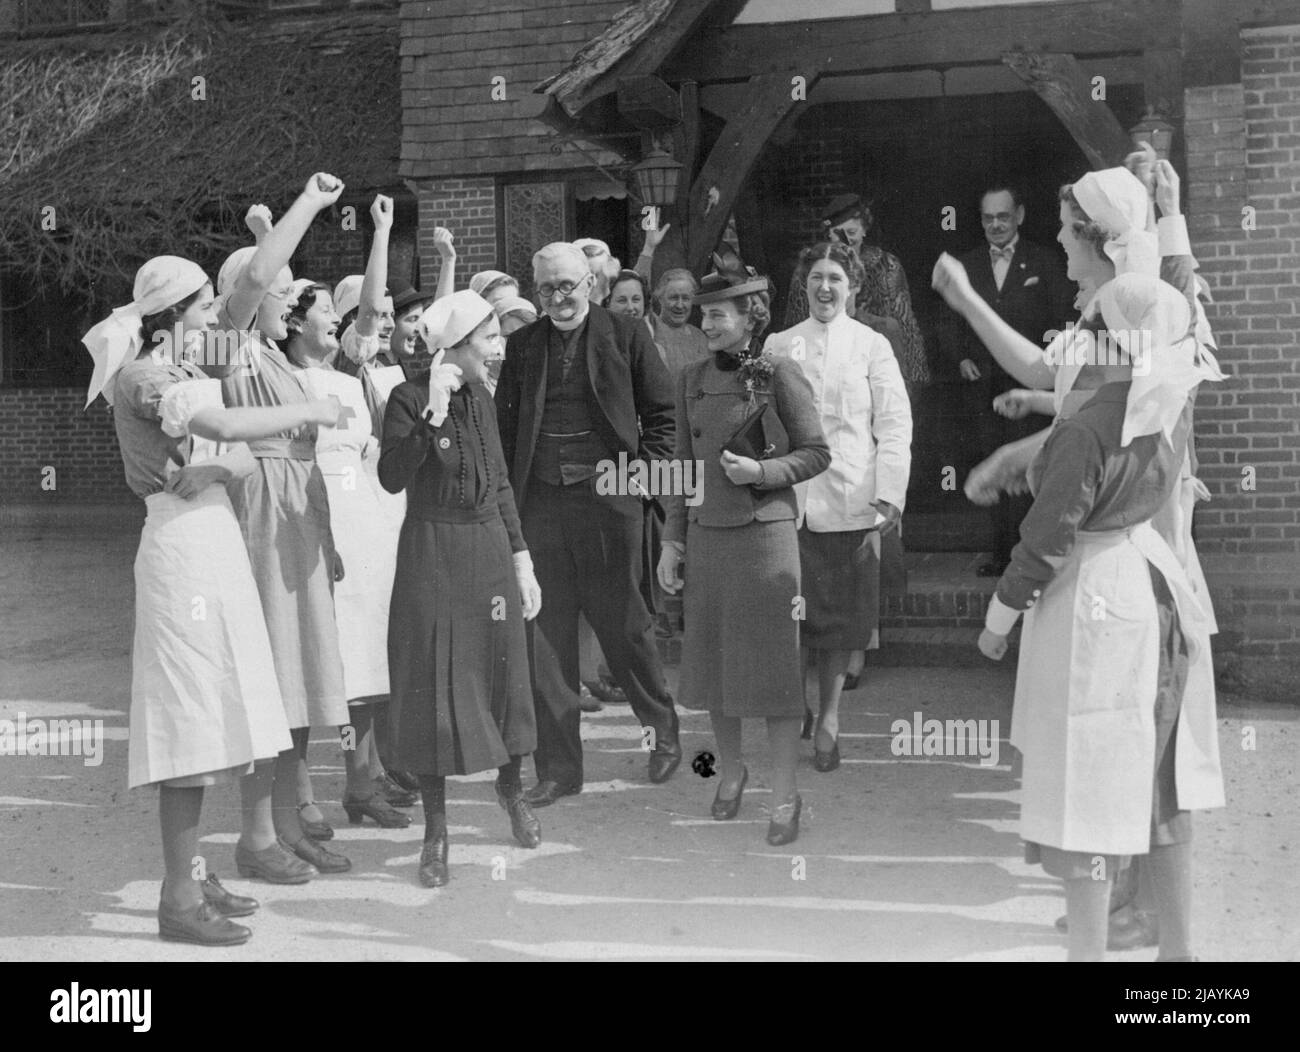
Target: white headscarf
x=1153, y=322
x=161, y=283
x=1116, y=200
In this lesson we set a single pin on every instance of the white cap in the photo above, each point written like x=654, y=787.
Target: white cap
x=484, y=278
x=452, y=318
x=347, y=294
x=515, y=303
x=592, y=248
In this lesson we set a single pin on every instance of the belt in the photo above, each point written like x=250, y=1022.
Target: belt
x=566, y=434
x=283, y=449
x=439, y=513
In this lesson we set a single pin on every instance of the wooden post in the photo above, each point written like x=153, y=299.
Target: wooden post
x=770, y=100
x=1058, y=80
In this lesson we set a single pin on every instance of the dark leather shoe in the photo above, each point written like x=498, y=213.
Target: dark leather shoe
x=523, y=823
x=224, y=902
x=784, y=826
x=275, y=864
x=725, y=810
x=321, y=830
x=377, y=807
x=666, y=755
x=202, y=924
x=827, y=761
x=405, y=780
x=587, y=701
x=394, y=793
x=1127, y=929
x=543, y=794
x=321, y=857
x=433, y=859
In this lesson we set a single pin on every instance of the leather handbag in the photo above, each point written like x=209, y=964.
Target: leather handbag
x=749, y=439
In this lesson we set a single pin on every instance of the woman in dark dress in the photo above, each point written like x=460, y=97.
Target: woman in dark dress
x=457, y=653
x=740, y=653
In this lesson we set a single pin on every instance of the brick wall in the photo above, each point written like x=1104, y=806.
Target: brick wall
x=1243, y=152
x=468, y=208
x=42, y=427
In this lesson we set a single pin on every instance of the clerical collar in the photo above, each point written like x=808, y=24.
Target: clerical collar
x=573, y=323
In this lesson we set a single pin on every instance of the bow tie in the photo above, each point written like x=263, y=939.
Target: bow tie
x=1002, y=253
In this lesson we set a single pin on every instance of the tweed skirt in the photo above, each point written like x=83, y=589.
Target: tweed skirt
x=740, y=651
x=841, y=584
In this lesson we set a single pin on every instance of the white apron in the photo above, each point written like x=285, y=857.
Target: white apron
x=1084, y=714
x=365, y=534
x=204, y=696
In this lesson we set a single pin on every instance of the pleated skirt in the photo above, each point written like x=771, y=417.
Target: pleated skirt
x=457, y=652
x=741, y=602
x=204, y=697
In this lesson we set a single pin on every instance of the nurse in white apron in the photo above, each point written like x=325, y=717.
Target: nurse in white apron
x=1178, y=733
x=205, y=703
x=366, y=540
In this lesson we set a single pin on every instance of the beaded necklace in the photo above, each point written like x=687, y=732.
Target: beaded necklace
x=460, y=447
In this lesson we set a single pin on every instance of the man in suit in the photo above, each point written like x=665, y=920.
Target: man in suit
x=1026, y=284
x=580, y=386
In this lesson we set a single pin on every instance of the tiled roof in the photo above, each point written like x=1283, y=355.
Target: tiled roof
x=451, y=51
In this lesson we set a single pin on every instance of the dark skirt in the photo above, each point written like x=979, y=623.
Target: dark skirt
x=841, y=583
x=740, y=651
x=457, y=652
x=1170, y=824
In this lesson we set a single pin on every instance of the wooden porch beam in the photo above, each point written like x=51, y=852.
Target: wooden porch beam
x=732, y=158
x=934, y=38
x=1059, y=82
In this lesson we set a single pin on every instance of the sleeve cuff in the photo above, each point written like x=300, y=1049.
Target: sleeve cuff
x=433, y=419
x=676, y=546
x=1000, y=619
x=1171, y=232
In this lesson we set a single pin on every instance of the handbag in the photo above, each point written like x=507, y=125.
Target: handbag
x=749, y=439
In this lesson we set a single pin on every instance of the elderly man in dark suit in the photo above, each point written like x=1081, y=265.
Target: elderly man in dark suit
x=1026, y=284
x=580, y=386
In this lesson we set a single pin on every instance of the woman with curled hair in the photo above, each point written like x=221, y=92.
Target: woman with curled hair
x=749, y=418
x=867, y=419
x=1133, y=686
x=205, y=704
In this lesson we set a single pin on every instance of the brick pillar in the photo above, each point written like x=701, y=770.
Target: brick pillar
x=466, y=207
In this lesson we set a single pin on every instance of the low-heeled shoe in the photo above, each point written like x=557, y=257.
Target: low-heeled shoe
x=404, y=779
x=433, y=860
x=275, y=864
x=394, y=793
x=201, y=924
x=227, y=904
x=322, y=858
x=545, y=793
x=826, y=761
x=725, y=810
x=321, y=830
x=375, y=806
x=779, y=833
x=523, y=823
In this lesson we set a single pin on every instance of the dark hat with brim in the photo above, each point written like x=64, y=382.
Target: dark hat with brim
x=405, y=294
x=715, y=287
x=842, y=208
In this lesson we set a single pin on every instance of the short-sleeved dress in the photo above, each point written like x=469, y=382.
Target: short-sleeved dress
x=204, y=697
x=457, y=651
x=283, y=511
x=364, y=533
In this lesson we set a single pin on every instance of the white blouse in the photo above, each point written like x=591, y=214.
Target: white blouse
x=865, y=415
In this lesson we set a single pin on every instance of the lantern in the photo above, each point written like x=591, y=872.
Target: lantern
x=656, y=179
x=1152, y=129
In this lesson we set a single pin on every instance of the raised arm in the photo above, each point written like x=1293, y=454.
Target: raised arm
x=444, y=242
x=276, y=248
x=645, y=262
x=1017, y=355
x=376, y=278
